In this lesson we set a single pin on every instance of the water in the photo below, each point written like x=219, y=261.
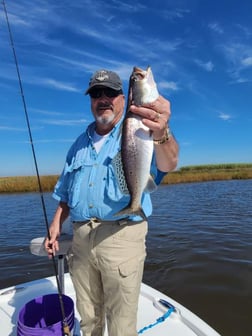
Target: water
x=199, y=248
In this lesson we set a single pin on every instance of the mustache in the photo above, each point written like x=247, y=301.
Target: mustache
x=105, y=105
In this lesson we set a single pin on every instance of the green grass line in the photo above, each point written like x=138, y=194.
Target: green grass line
x=214, y=172
x=27, y=183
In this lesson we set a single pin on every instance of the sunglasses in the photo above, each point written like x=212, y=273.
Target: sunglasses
x=97, y=93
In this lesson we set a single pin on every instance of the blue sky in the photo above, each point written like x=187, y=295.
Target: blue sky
x=200, y=52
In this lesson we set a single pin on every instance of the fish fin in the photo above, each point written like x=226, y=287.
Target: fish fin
x=150, y=186
x=128, y=210
x=118, y=168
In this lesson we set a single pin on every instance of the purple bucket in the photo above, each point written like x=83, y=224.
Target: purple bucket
x=42, y=316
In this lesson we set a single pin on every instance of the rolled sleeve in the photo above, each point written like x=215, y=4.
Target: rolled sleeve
x=60, y=192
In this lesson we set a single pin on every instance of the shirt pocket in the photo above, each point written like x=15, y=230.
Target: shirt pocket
x=74, y=186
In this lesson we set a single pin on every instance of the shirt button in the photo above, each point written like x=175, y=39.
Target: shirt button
x=90, y=206
x=91, y=184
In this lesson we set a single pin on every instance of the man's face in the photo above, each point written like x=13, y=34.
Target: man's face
x=107, y=106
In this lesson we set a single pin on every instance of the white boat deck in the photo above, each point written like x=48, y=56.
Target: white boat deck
x=180, y=322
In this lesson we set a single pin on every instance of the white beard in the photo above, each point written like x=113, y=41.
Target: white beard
x=105, y=120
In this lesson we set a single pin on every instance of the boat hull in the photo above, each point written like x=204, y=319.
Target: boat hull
x=154, y=318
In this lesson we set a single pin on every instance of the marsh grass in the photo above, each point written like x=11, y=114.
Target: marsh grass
x=216, y=172
x=27, y=183
x=183, y=175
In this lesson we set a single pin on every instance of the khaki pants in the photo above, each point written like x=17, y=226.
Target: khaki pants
x=106, y=265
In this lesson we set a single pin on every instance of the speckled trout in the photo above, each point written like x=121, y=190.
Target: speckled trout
x=137, y=142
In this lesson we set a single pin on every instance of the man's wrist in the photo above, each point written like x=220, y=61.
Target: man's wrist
x=165, y=138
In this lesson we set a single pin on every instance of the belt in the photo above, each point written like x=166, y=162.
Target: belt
x=122, y=221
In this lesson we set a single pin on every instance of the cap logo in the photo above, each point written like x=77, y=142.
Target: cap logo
x=102, y=76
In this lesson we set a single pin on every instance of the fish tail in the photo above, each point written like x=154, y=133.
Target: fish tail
x=128, y=210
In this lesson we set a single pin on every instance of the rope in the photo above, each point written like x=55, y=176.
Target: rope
x=159, y=320
x=66, y=331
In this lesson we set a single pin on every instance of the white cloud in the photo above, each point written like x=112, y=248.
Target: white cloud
x=247, y=61
x=224, y=116
x=236, y=54
x=17, y=20
x=54, y=141
x=67, y=122
x=45, y=112
x=245, y=30
x=15, y=129
x=208, y=66
x=214, y=26
x=52, y=83
x=176, y=13
x=168, y=85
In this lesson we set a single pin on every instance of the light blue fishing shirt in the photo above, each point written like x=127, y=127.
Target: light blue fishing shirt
x=88, y=183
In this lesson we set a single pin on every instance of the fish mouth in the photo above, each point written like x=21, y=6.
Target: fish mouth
x=139, y=74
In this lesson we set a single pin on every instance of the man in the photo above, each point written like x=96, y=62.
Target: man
x=107, y=255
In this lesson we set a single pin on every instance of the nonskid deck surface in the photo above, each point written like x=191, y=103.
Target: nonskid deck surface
x=154, y=318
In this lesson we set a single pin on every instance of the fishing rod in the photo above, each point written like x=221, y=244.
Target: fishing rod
x=66, y=330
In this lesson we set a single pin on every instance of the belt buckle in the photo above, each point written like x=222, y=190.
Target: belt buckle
x=122, y=221
x=95, y=220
